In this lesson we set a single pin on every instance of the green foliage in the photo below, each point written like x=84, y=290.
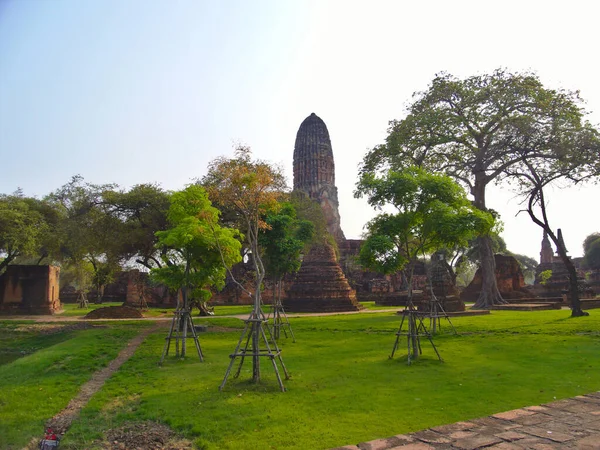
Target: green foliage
x=545, y=276
x=199, y=248
x=432, y=213
x=283, y=241
x=22, y=228
x=591, y=249
x=143, y=212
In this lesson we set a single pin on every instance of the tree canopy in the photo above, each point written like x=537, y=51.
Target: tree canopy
x=22, y=228
x=251, y=189
x=478, y=128
x=591, y=251
x=198, y=249
x=431, y=213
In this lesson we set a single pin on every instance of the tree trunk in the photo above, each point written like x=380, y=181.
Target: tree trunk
x=576, y=310
x=489, y=295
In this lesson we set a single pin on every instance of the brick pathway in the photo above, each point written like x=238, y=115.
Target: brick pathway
x=565, y=424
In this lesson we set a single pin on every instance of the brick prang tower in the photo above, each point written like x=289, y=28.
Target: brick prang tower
x=314, y=170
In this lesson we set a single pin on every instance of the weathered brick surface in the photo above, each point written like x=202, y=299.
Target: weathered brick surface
x=476, y=442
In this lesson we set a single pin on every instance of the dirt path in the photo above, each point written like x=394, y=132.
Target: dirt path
x=61, y=422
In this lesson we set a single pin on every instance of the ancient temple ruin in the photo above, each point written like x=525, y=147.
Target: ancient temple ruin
x=314, y=170
x=320, y=285
x=30, y=290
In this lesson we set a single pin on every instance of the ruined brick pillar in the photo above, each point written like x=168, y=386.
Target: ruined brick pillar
x=314, y=170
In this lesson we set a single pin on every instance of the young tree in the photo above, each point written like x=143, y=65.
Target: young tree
x=199, y=251
x=281, y=244
x=471, y=128
x=251, y=189
x=431, y=213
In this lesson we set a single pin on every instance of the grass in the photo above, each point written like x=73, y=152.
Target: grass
x=48, y=371
x=344, y=389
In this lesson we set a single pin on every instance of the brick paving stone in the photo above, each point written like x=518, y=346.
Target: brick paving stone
x=476, y=442
x=382, y=444
x=556, y=412
x=547, y=447
x=461, y=434
x=588, y=399
x=495, y=430
x=511, y=415
x=536, y=408
x=506, y=446
x=531, y=420
x=491, y=422
x=458, y=426
x=582, y=407
x=414, y=446
x=548, y=434
x=589, y=443
x=510, y=436
x=430, y=437
x=560, y=404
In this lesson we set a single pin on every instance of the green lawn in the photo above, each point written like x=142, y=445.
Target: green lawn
x=343, y=389
x=43, y=367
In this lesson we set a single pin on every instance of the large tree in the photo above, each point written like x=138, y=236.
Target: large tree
x=577, y=162
x=22, y=228
x=251, y=190
x=143, y=211
x=468, y=128
x=87, y=233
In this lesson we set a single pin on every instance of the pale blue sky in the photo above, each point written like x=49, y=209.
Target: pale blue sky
x=150, y=91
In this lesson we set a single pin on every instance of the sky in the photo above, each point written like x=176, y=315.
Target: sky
x=142, y=91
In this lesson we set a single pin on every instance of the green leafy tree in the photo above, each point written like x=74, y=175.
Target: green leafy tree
x=431, y=213
x=591, y=251
x=251, y=189
x=22, y=228
x=281, y=244
x=87, y=233
x=143, y=212
x=474, y=129
x=193, y=240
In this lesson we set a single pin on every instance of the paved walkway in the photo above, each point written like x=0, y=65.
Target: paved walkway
x=565, y=424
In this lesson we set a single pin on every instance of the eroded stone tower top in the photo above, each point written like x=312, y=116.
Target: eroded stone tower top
x=314, y=170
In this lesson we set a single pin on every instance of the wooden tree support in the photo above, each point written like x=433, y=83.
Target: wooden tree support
x=413, y=334
x=182, y=322
x=254, y=332
x=436, y=313
x=82, y=299
x=280, y=321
